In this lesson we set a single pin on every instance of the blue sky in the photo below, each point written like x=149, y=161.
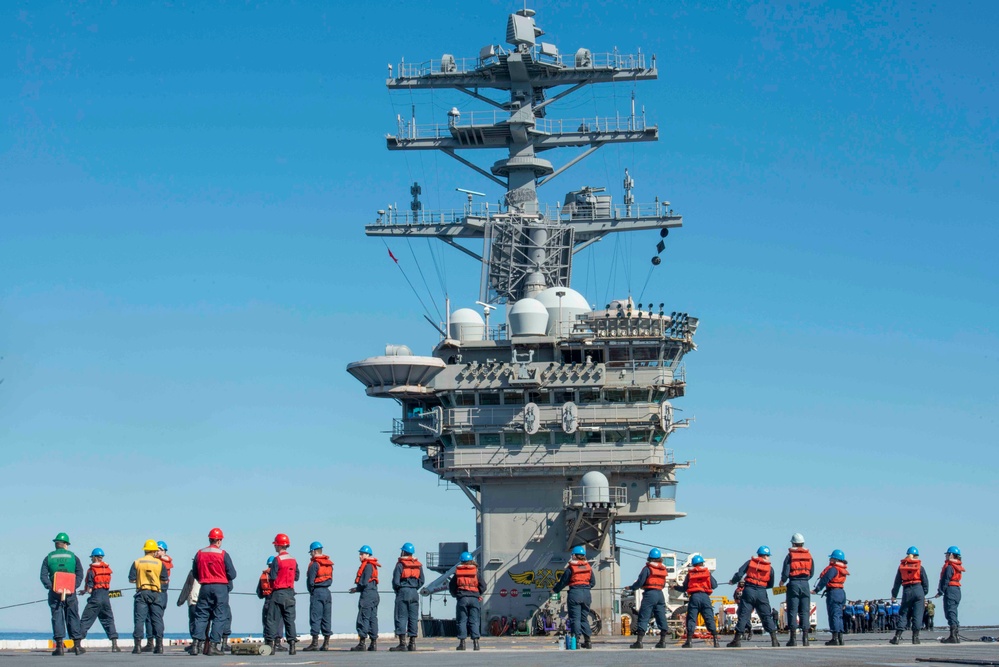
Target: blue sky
x=184, y=275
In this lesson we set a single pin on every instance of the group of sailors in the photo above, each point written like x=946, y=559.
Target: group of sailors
x=860, y=616
x=757, y=575
x=210, y=581
x=212, y=573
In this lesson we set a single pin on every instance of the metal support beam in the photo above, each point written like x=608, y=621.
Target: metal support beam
x=485, y=99
x=474, y=167
x=471, y=496
x=582, y=156
x=465, y=250
x=559, y=96
x=587, y=243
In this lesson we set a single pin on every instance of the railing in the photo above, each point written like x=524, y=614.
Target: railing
x=455, y=216
x=407, y=130
x=441, y=66
x=606, y=456
x=588, y=496
x=411, y=427
x=433, y=557
x=488, y=418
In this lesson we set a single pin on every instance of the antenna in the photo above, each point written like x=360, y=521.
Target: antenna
x=470, y=193
x=486, y=309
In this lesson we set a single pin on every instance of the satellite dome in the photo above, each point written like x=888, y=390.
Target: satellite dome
x=596, y=488
x=565, y=308
x=528, y=317
x=466, y=325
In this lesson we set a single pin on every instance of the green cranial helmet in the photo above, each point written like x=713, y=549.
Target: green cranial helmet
x=61, y=537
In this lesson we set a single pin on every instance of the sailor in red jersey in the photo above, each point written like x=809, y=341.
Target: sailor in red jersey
x=283, y=575
x=652, y=580
x=366, y=583
x=912, y=579
x=758, y=575
x=798, y=569
x=699, y=584
x=950, y=588
x=97, y=583
x=213, y=569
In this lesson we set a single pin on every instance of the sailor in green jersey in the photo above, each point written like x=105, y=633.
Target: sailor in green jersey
x=65, y=608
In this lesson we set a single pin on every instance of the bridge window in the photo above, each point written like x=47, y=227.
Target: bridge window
x=464, y=439
x=489, y=398
x=464, y=399
x=513, y=398
x=489, y=439
x=513, y=439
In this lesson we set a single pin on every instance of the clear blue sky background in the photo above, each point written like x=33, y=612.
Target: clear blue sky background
x=184, y=276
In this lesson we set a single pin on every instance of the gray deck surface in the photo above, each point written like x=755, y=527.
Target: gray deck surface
x=869, y=649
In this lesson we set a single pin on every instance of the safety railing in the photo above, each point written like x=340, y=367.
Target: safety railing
x=407, y=130
x=489, y=417
x=455, y=66
x=588, y=496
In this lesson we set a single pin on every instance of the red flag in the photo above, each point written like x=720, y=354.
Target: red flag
x=392, y=256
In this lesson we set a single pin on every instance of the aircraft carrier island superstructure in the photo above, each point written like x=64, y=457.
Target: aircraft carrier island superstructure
x=553, y=423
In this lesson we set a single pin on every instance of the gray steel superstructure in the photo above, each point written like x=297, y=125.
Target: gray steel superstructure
x=555, y=422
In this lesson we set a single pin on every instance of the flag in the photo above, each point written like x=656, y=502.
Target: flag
x=392, y=256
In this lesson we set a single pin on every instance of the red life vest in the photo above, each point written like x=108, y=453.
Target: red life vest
x=699, y=580
x=656, y=581
x=265, y=583
x=801, y=562
x=411, y=568
x=468, y=577
x=910, y=571
x=209, y=565
x=840, y=577
x=582, y=573
x=374, y=571
x=958, y=570
x=759, y=572
x=286, y=568
x=324, y=569
x=168, y=564
x=102, y=575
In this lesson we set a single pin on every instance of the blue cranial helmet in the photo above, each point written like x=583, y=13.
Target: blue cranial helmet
x=697, y=560
x=366, y=550
x=408, y=548
x=763, y=551
x=655, y=553
x=465, y=557
x=579, y=551
x=315, y=545
x=97, y=552
x=912, y=551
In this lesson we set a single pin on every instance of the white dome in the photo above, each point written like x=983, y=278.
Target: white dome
x=528, y=317
x=596, y=488
x=466, y=324
x=565, y=308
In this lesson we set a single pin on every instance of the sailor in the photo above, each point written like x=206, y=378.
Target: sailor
x=264, y=592
x=950, y=588
x=880, y=615
x=578, y=576
x=318, y=580
x=407, y=579
x=467, y=586
x=168, y=562
x=213, y=569
x=912, y=579
x=699, y=584
x=97, y=583
x=928, y=612
x=758, y=575
x=798, y=569
x=832, y=579
x=283, y=575
x=895, y=609
x=149, y=574
x=366, y=583
x=64, y=606
x=652, y=580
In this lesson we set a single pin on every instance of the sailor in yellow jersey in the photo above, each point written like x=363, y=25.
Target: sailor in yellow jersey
x=149, y=575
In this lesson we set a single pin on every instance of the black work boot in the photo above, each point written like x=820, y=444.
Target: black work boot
x=915, y=637
x=773, y=639
x=401, y=646
x=137, y=647
x=291, y=647
x=314, y=646
x=586, y=642
x=278, y=646
x=148, y=648
x=791, y=641
x=78, y=647
x=225, y=644
x=662, y=640
x=957, y=634
x=804, y=637
x=839, y=638
x=475, y=644
x=714, y=640
x=372, y=646
x=326, y=643
x=114, y=646
x=736, y=641
x=638, y=639
x=360, y=645
x=895, y=640
x=687, y=643
x=158, y=648
x=59, y=650
x=461, y=645
x=833, y=641
x=208, y=648
x=195, y=647
x=412, y=644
